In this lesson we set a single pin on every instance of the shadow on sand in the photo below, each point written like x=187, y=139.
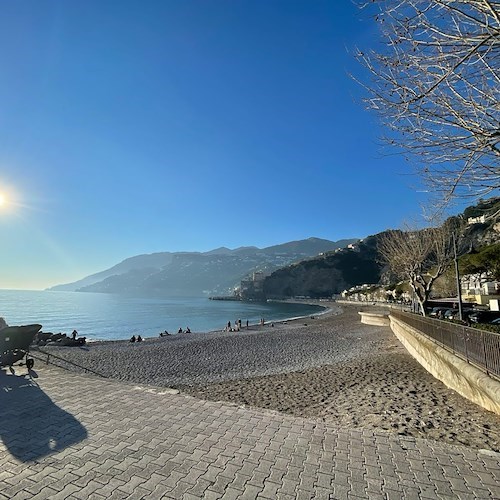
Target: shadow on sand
x=31, y=424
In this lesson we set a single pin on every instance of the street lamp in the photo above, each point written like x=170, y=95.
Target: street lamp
x=457, y=274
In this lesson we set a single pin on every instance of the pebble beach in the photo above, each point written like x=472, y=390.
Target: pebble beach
x=329, y=367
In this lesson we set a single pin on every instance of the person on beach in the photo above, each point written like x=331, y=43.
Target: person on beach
x=247, y=323
x=179, y=330
x=187, y=330
x=139, y=338
x=132, y=339
x=74, y=334
x=229, y=326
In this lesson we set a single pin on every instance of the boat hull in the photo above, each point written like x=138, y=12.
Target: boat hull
x=15, y=342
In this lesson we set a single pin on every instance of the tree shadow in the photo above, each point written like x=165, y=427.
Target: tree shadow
x=31, y=424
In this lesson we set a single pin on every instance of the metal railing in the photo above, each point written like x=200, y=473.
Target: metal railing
x=478, y=347
x=60, y=362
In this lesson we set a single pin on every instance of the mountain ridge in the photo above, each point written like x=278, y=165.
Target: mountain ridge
x=216, y=271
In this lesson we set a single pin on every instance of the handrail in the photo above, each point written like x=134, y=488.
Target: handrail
x=478, y=347
x=76, y=365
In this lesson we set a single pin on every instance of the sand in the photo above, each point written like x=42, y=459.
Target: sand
x=331, y=367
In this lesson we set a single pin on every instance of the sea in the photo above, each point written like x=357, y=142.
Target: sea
x=99, y=316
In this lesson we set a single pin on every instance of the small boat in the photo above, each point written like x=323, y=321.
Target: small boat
x=15, y=342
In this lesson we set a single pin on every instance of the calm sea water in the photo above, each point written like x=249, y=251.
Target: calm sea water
x=110, y=317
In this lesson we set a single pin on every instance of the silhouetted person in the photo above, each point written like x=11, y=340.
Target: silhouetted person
x=187, y=330
x=132, y=339
x=139, y=338
x=74, y=334
x=180, y=330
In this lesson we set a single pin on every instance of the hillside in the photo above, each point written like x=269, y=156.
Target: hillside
x=328, y=274
x=312, y=267
x=333, y=272
x=195, y=273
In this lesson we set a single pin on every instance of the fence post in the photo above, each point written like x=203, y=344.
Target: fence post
x=484, y=352
x=466, y=340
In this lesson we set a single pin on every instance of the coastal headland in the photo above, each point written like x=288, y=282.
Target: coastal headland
x=329, y=366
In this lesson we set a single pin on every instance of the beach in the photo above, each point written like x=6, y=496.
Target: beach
x=328, y=367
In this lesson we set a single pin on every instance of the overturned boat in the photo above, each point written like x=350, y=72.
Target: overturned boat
x=15, y=342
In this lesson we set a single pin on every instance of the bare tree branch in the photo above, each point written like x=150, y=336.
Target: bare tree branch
x=420, y=256
x=436, y=86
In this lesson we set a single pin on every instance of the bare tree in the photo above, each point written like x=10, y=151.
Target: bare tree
x=436, y=85
x=419, y=256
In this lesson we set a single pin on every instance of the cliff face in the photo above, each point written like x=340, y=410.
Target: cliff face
x=483, y=226
x=328, y=274
x=334, y=272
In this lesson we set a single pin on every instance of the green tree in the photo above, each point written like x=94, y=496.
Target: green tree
x=485, y=261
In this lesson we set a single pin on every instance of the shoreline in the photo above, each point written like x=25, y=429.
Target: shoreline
x=332, y=368
x=326, y=309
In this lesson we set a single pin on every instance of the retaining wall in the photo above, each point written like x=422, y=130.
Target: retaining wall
x=454, y=372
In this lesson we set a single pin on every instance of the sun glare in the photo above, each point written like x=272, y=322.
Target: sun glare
x=3, y=201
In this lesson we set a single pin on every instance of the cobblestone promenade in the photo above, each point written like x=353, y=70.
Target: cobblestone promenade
x=64, y=435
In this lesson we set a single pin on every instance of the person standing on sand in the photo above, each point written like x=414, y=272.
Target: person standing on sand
x=247, y=323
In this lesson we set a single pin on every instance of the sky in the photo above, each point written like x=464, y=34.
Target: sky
x=131, y=127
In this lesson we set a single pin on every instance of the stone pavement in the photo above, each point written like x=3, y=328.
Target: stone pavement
x=64, y=435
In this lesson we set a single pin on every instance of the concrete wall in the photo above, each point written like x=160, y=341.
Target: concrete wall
x=377, y=319
x=457, y=374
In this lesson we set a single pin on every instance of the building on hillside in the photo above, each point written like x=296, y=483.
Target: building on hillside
x=479, y=289
x=366, y=293
x=476, y=220
x=253, y=288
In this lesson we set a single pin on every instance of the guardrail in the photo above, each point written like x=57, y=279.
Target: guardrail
x=478, y=347
x=62, y=361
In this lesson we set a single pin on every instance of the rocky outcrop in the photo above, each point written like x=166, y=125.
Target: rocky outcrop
x=328, y=274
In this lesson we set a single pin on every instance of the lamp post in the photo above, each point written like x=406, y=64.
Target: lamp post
x=457, y=274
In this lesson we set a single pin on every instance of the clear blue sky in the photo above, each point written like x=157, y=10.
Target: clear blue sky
x=131, y=127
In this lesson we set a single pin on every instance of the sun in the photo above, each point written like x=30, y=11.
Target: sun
x=3, y=201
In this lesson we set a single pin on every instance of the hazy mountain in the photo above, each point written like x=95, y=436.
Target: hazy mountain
x=193, y=273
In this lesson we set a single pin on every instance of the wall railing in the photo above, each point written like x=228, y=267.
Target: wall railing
x=478, y=347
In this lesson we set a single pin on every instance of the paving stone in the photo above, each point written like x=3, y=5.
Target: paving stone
x=126, y=441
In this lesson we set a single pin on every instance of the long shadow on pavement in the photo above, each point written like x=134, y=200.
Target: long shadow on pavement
x=31, y=424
